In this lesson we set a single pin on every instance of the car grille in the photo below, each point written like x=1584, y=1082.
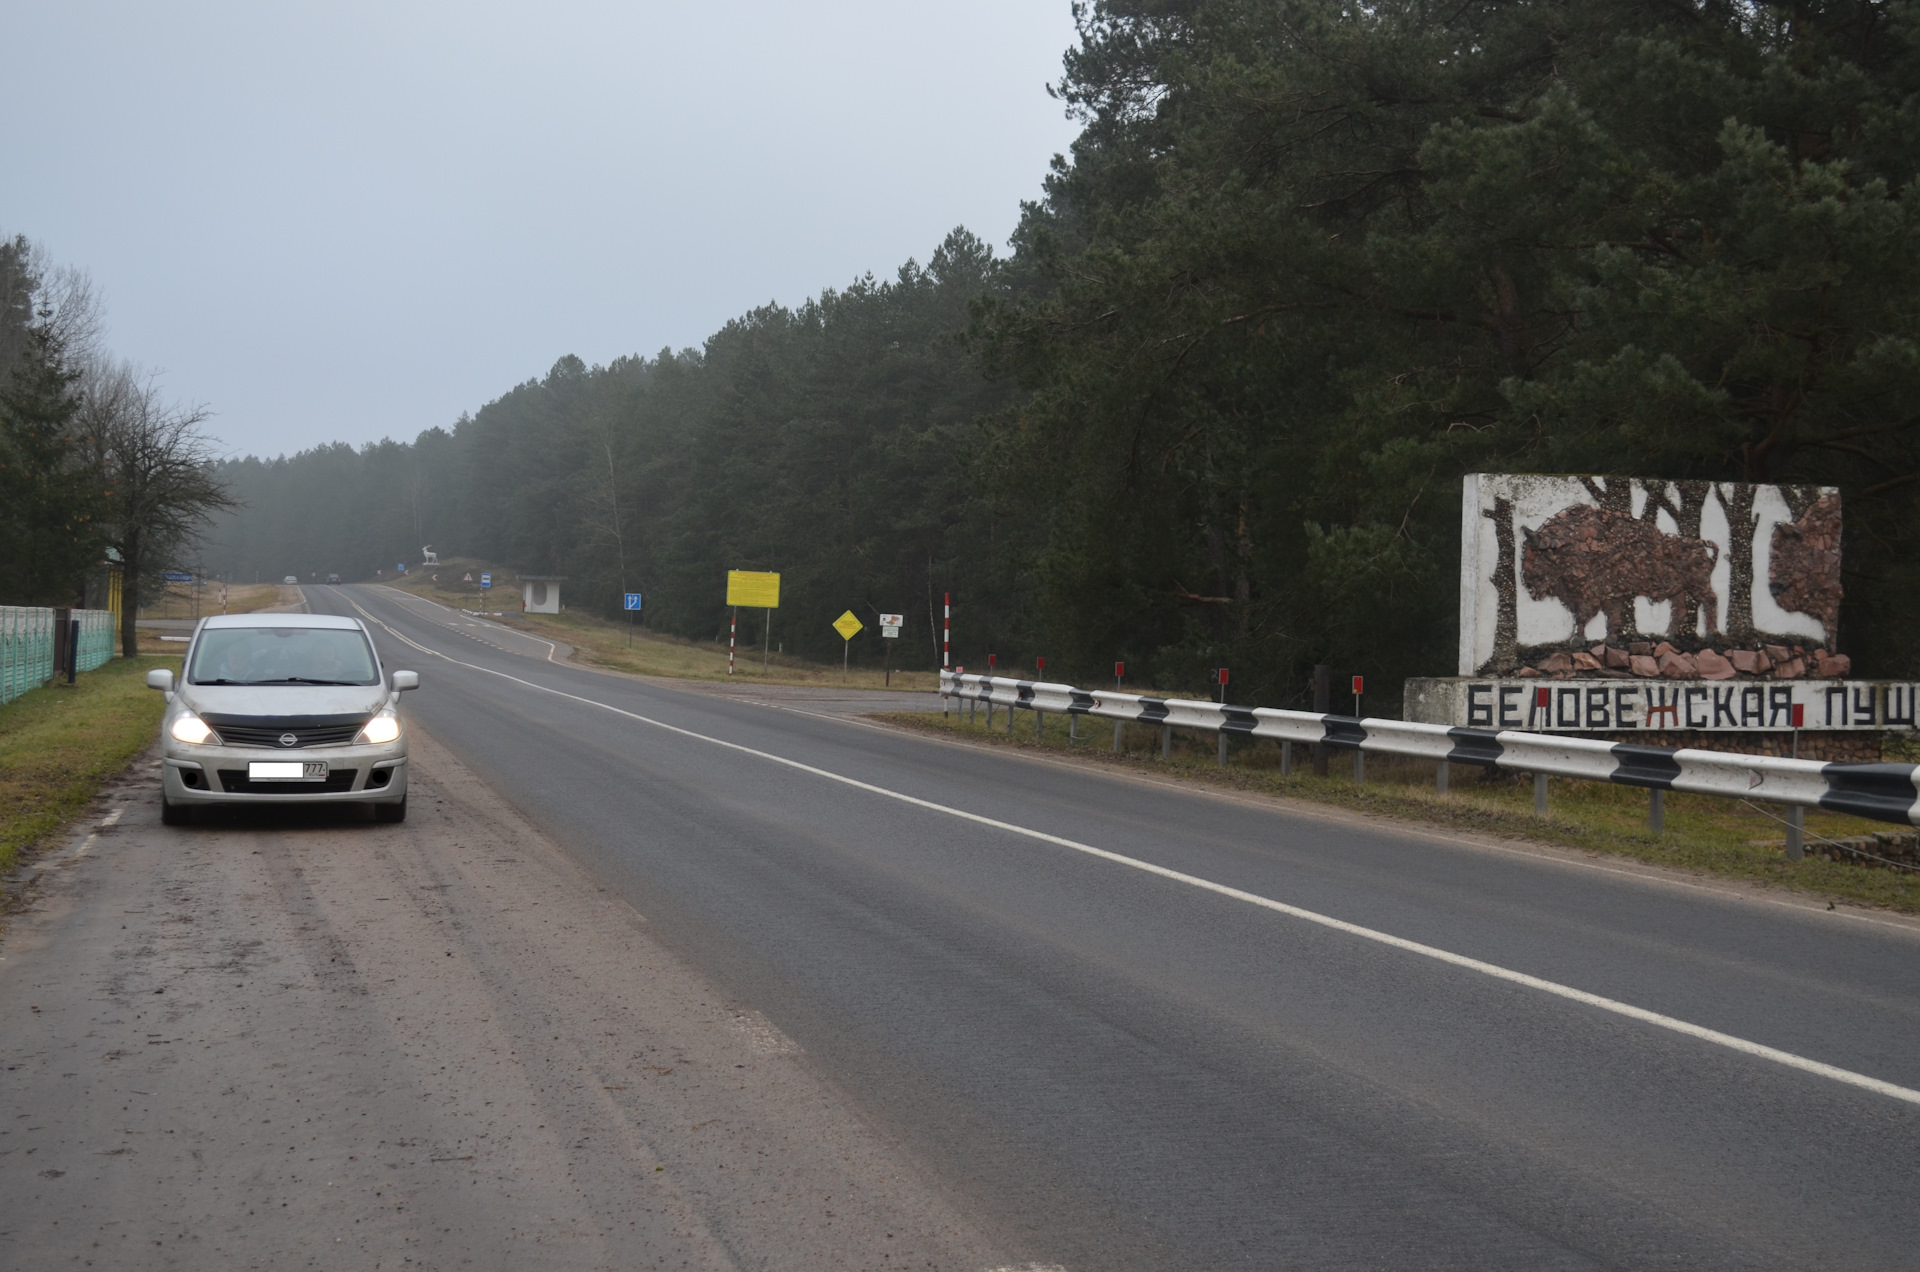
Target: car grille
x=235, y=782
x=268, y=730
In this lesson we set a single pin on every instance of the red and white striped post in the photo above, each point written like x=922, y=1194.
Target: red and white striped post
x=732, y=624
x=1360, y=757
x=1220, y=675
x=1797, y=815
x=946, y=642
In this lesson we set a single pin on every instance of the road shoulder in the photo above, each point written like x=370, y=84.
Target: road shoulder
x=280, y=1036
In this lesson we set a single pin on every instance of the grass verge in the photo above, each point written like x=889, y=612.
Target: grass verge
x=1704, y=834
x=60, y=742
x=242, y=598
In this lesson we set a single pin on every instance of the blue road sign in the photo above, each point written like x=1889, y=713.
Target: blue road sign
x=633, y=600
x=176, y=576
x=486, y=580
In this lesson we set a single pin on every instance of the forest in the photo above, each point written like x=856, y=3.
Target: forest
x=1307, y=264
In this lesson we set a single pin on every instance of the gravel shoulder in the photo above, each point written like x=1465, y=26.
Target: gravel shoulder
x=289, y=1038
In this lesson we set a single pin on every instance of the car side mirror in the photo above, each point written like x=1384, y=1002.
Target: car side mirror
x=405, y=680
x=160, y=678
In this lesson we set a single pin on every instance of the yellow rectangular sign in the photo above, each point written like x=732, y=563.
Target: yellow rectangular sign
x=758, y=591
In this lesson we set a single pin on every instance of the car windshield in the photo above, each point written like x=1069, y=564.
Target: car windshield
x=283, y=656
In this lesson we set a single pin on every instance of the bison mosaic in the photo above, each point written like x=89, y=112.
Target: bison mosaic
x=1598, y=561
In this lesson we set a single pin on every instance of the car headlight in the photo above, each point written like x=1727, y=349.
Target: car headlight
x=384, y=727
x=188, y=727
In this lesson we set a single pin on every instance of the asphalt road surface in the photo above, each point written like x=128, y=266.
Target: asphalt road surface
x=1012, y=1012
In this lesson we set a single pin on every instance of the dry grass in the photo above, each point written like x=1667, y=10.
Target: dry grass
x=1704, y=834
x=600, y=643
x=242, y=598
x=60, y=742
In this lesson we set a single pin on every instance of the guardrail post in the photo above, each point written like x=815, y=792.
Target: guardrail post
x=1440, y=779
x=1039, y=725
x=1540, y=794
x=1322, y=703
x=1009, y=719
x=1359, y=767
x=1166, y=741
x=1223, y=748
x=1286, y=759
x=1073, y=727
x=1657, y=811
x=1117, y=726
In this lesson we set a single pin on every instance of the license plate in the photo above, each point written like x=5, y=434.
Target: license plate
x=287, y=771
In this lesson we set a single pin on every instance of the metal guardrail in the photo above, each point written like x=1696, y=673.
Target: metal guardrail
x=26, y=646
x=1882, y=792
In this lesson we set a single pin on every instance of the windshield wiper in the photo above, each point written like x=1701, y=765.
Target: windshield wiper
x=298, y=680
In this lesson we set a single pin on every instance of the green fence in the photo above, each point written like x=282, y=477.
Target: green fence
x=26, y=646
x=96, y=637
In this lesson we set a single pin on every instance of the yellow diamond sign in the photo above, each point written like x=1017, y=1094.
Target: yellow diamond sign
x=848, y=626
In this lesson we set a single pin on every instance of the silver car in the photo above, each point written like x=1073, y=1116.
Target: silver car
x=282, y=709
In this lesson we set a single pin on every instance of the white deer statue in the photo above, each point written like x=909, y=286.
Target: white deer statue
x=431, y=558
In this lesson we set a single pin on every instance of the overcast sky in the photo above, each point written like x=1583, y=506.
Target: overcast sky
x=347, y=221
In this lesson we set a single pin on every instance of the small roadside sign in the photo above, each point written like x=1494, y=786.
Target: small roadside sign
x=486, y=580
x=176, y=576
x=890, y=625
x=753, y=589
x=848, y=626
x=633, y=607
x=468, y=578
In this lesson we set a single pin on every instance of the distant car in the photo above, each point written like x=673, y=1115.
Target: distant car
x=333, y=578
x=292, y=580
x=282, y=709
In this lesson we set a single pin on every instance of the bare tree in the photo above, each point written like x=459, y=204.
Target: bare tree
x=158, y=464
x=56, y=301
x=608, y=523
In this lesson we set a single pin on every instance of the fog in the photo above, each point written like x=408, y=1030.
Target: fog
x=357, y=220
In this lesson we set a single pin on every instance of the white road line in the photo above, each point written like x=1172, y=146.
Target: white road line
x=1628, y=1010
x=552, y=648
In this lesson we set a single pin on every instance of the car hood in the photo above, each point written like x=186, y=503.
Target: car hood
x=284, y=701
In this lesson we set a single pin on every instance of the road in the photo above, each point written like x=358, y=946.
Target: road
x=1068, y=1018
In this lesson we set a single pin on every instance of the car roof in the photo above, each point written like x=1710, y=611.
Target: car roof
x=279, y=620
